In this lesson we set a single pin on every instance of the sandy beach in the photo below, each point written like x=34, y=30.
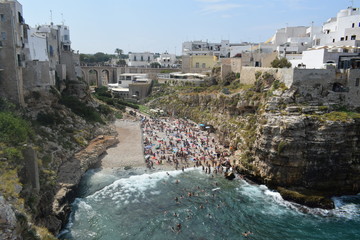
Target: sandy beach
x=129, y=152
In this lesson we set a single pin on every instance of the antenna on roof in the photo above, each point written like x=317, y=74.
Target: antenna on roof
x=62, y=19
x=51, y=18
x=352, y=3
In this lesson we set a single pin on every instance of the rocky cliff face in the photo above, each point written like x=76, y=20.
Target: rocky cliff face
x=307, y=150
x=70, y=134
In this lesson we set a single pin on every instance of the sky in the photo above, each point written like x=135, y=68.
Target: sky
x=163, y=25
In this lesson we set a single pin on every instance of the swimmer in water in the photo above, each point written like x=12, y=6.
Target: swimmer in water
x=246, y=234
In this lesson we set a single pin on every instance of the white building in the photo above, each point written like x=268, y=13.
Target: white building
x=240, y=48
x=205, y=48
x=167, y=60
x=323, y=57
x=284, y=34
x=342, y=30
x=37, y=44
x=292, y=40
x=128, y=78
x=140, y=59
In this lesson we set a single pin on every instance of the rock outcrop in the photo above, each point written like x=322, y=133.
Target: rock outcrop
x=8, y=222
x=70, y=174
x=282, y=139
x=69, y=133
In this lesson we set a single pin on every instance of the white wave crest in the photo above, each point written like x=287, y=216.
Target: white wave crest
x=132, y=189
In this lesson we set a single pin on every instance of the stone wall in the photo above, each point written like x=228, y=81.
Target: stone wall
x=248, y=74
x=67, y=59
x=353, y=96
x=141, y=90
x=236, y=64
x=37, y=75
x=61, y=71
x=225, y=70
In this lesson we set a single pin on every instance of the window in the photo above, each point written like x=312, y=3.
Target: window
x=148, y=58
x=197, y=65
x=3, y=35
x=51, y=49
x=203, y=65
x=134, y=58
x=21, y=19
x=119, y=82
x=334, y=40
x=353, y=25
x=342, y=39
x=353, y=37
x=346, y=38
x=19, y=60
x=66, y=38
x=142, y=58
x=2, y=17
x=357, y=82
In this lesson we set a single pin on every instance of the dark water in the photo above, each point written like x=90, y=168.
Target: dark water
x=133, y=205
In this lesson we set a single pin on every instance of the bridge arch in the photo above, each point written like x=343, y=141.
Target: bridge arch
x=93, y=77
x=105, y=77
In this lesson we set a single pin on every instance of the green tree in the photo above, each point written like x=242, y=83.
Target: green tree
x=119, y=52
x=121, y=63
x=280, y=63
x=155, y=65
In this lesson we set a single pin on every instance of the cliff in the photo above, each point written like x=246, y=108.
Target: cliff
x=306, y=148
x=66, y=133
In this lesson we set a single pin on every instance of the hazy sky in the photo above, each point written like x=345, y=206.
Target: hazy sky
x=160, y=25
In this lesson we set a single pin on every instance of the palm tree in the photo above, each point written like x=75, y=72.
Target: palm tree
x=119, y=52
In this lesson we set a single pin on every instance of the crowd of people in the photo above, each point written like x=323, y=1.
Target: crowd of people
x=181, y=143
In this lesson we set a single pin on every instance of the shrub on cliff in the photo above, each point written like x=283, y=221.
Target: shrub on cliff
x=280, y=63
x=14, y=130
x=81, y=109
x=103, y=91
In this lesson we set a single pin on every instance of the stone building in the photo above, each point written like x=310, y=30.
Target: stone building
x=31, y=58
x=12, y=57
x=198, y=63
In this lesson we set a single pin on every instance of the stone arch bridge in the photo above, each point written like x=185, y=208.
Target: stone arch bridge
x=102, y=75
x=99, y=75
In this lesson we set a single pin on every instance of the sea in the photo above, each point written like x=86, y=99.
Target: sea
x=142, y=204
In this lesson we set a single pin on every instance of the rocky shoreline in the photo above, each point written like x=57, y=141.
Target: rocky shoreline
x=281, y=141
x=70, y=174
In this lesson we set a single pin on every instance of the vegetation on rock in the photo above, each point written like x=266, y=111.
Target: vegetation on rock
x=280, y=63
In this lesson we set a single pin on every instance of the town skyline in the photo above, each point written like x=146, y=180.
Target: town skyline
x=161, y=26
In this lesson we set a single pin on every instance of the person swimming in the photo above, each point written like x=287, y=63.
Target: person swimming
x=246, y=234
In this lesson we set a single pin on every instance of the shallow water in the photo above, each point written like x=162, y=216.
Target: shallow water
x=133, y=204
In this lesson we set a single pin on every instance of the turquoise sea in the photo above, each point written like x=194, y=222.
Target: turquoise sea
x=140, y=204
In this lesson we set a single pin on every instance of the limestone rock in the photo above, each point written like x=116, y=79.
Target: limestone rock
x=8, y=221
